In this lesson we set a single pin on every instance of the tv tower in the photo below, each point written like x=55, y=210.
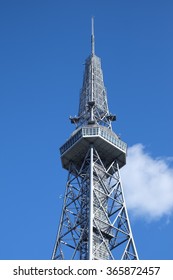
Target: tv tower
x=94, y=223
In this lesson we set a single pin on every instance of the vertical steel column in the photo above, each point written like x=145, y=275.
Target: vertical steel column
x=90, y=246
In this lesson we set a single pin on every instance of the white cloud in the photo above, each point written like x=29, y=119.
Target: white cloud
x=148, y=184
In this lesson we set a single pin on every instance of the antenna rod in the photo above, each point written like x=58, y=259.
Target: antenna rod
x=92, y=37
x=92, y=68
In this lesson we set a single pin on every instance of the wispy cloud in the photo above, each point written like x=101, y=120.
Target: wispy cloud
x=148, y=184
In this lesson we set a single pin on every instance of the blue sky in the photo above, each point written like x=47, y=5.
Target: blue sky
x=43, y=46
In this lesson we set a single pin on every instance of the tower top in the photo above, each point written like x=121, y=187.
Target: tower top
x=92, y=37
x=93, y=105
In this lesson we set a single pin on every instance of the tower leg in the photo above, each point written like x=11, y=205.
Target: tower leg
x=91, y=212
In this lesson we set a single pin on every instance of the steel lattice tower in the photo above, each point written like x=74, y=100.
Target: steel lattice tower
x=94, y=224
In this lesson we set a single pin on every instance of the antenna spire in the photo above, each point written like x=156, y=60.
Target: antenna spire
x=92, y=37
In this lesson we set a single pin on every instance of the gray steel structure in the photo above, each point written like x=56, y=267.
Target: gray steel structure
x=94, y=224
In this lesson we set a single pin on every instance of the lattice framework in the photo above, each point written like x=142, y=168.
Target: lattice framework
x=112, y=237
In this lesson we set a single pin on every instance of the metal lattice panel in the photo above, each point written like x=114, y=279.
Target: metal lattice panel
x=93, y=69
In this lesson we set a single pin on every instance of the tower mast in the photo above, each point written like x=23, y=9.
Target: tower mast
x=94, y=223
x=92, y=37
x=92, y=71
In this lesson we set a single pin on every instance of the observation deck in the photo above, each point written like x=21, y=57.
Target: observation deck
x=105, y=141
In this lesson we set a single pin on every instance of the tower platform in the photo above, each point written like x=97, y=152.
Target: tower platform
x=107, y=143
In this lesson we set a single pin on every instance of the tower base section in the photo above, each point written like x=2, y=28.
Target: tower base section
x=94, y=223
